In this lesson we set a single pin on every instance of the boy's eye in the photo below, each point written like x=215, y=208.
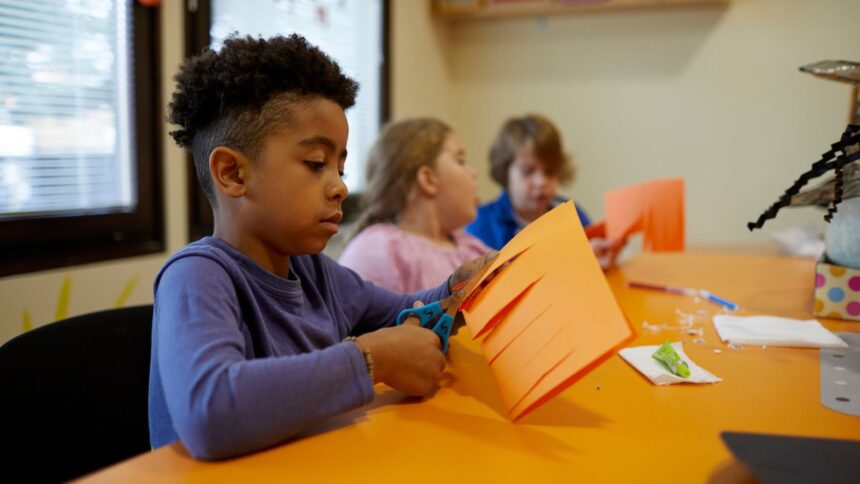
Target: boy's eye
x=341, y=173
x=315, y=165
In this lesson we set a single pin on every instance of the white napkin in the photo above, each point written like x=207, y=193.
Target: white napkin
x=774, y=331
x=640, y=358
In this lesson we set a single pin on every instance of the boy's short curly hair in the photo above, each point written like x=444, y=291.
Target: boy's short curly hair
x=238, y=96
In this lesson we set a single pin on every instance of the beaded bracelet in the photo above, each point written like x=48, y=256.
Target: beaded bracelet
x=368, y=360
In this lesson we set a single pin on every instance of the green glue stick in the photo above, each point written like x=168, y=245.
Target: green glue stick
x=667, y=355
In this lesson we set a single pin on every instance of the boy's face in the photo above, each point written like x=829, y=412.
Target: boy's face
x=457, y=200
x=531, y=187
x=295, y=191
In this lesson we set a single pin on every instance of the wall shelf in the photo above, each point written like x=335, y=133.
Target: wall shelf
x=486, y=9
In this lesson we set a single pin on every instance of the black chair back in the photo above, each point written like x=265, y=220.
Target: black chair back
x=74, y=394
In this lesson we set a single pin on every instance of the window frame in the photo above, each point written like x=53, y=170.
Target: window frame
x=42, y=242
x=198, y=21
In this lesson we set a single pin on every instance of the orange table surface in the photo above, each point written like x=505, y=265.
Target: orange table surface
x=611, y=425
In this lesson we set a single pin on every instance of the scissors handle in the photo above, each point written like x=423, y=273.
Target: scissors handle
x=426, y=315
x=443, y=330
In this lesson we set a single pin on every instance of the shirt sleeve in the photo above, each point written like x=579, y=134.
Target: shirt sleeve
x=223, y=404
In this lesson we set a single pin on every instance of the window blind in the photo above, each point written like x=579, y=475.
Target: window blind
x=349, y=31
x=66, y=108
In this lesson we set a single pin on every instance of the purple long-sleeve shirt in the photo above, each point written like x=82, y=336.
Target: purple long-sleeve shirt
x=243, y=359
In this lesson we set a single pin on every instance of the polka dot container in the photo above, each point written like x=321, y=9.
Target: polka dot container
x=837, y=292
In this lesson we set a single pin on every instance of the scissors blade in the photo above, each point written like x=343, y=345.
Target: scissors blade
x=453, y=302
x=476, y=277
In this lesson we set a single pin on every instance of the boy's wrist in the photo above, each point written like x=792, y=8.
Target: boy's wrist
x=365, y=351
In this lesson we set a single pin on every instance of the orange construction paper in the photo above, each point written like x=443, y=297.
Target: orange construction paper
x=501, y=315
x=548, y=316
x=520, y=317
x=497, y=266
x=482, y=312
x=656, y=208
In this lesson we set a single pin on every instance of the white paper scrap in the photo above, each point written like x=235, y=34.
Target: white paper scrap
x=775, y=331
x=640, y=357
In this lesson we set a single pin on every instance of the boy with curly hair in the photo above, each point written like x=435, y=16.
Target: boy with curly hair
x=256, y=335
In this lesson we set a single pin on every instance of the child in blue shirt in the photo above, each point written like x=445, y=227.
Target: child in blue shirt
x=256, y=335
x=528, y=161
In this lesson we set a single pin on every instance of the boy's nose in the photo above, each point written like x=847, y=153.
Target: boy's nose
x=338, y=190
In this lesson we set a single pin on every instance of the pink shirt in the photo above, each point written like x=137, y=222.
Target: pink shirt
x=398, y=260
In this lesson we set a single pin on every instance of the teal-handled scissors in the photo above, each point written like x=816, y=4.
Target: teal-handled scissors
x=437, y=316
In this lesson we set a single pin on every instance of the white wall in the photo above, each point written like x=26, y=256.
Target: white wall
x=713, y=95
x=421, y=77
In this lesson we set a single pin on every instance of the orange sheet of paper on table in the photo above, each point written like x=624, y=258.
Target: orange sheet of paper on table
x=548, y=316
x=656, y=208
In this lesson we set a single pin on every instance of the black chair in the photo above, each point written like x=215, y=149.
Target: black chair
x=73, y=395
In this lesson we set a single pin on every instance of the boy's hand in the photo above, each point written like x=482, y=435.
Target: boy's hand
x=405, y=357
x=467, y=270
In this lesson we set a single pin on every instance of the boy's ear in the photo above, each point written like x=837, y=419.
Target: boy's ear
x=427, y=181
x=228, y=169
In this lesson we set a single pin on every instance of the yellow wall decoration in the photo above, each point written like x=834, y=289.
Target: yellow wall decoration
x=63, y=298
